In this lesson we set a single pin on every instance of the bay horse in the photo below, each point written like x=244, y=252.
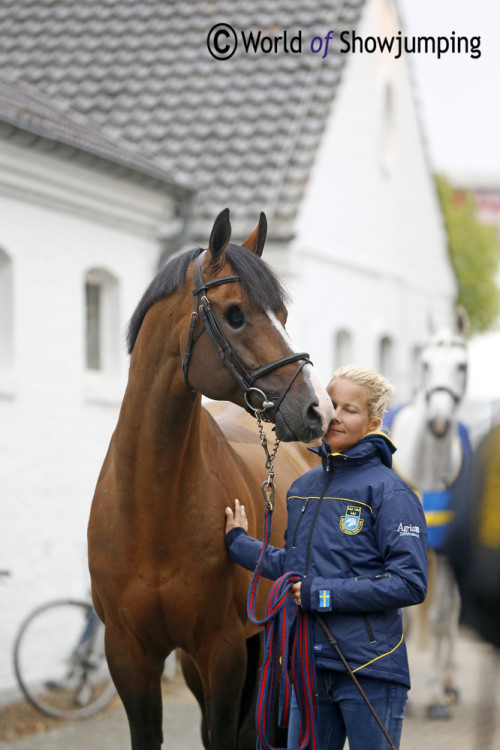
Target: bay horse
x=434, y=458
x=161, y=576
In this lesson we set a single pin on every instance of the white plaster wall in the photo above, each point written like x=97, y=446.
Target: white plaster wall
x=55, y=420
x=370, y=253
x=370, y=257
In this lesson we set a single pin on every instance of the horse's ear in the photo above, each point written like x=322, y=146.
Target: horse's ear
x=255, y=241
x=220, y=236
x=461, y=321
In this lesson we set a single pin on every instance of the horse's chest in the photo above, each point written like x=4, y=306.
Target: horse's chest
x=423, y=461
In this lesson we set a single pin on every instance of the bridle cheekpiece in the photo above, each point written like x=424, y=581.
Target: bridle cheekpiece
x=268, y=405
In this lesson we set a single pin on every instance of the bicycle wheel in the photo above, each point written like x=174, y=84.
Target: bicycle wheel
x=59, y=660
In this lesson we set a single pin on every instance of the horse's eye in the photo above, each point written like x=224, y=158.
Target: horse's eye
x=235, y=317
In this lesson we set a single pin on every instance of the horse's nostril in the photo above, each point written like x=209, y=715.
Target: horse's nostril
x=313, y=417
x=439, y=427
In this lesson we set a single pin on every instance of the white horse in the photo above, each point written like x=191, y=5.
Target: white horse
x=433, y=454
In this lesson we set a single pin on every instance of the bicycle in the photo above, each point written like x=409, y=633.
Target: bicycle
x=59, y=660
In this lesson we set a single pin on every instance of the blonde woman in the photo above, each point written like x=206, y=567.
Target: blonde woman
x=357, y=534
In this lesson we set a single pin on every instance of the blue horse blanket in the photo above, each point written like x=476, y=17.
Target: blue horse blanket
x=439, y=504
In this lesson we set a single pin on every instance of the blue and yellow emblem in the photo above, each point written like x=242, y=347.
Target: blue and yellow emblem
x=351, y=523
x=325, y=599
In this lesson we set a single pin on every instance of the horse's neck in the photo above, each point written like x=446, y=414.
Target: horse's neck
x=159, y=424
x=422, y=460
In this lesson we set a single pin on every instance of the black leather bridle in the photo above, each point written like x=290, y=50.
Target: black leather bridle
x=245, y=379
x=456, y=397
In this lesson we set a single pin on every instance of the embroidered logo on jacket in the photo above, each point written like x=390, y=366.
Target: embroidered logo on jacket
x=351, y=523
x=408, y=530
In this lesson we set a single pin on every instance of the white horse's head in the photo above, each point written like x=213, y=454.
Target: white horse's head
x=444, y=375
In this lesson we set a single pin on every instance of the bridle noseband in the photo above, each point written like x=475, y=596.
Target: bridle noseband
x=456, y=397
x=245, y=379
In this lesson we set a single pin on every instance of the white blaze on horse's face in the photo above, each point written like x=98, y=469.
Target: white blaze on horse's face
x=324, y=409
x=444, y=369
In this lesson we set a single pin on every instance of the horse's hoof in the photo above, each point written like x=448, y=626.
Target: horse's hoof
x=409, y=709
x=438, y=711
x=452, y=695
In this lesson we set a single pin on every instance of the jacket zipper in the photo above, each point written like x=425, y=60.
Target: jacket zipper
x=300, y=521
x=309, y=539
x=369, y=629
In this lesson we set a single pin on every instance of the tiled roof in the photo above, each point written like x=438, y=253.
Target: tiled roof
x=243, y=132
x=25, y=109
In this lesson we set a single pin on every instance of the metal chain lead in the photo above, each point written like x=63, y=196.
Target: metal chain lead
x=267, y=486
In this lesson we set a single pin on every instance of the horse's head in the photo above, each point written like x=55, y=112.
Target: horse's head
x=237, y=348
x=444, y=375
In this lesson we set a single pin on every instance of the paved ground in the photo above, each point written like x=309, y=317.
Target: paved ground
x=479, y=684
x=472, y=726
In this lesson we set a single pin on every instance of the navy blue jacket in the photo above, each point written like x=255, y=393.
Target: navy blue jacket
x=357, y=534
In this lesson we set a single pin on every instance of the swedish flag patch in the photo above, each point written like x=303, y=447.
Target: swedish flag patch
x=325, y=599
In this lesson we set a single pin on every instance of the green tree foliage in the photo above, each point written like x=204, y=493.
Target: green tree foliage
x=475, y=254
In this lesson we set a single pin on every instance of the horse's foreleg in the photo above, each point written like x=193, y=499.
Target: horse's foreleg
x=450, y=646
x=246, y=719
x=194, y=683
x=444, y=629
x=137, y=676
x=437, y=707
x=223, y=669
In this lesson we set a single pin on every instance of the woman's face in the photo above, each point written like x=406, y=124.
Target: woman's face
x=351, y=421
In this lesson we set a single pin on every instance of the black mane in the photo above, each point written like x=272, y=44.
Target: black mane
x=259, y=282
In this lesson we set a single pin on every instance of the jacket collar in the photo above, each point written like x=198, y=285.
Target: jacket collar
x=373, y=444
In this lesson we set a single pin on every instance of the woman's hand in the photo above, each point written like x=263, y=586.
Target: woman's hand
x=238, y=519
x=295, y=593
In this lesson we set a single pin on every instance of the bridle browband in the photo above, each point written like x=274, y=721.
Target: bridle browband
x=245, y=379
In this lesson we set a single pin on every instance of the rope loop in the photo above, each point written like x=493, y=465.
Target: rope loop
x=277, y=647
x=295, y=654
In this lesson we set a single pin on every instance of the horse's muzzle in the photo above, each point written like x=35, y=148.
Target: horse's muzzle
x=294, y=423
x=439, y=427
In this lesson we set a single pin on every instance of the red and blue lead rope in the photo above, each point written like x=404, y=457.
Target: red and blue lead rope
x=276, y=649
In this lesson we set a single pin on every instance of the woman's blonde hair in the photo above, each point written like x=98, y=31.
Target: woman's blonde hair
x=379, y=388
